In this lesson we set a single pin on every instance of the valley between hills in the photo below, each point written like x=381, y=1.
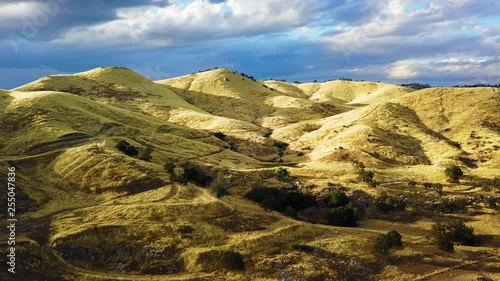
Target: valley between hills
x=217, y=176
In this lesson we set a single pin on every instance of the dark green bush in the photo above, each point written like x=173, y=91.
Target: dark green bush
x=126, y=148
x=279, y=199
x=342, y=216
x=454, y=173
x=384, y=242
x=232, y=260
x=386, y=203
x=337, y=198
x=197, y=176
x=445, y=235
x=282, y=174
x=169, y=167
x=452, y=205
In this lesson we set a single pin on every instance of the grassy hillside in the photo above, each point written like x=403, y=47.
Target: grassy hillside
x=216, y=176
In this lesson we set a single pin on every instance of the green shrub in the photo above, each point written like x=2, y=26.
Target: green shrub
x=454, y=173
x=220, y=185
x=282, y=174
x=342, y=216
x=279, y=199
x=445, y=235
x=169, y=167
x=384, y=242
x=232, y=260
x=452, y=205
x=337, y=198
x=386, y=203
x=197, y=176
x=126, y=148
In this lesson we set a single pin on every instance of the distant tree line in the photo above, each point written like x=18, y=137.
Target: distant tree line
x=478, y=85
x=416, y=86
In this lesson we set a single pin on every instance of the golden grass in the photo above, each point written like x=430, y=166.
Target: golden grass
x=61, y=132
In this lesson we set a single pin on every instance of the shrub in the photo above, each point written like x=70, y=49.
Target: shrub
x=282, y=174
x=445, y=235
x=220, y=135
x=281, y=145
x=169, y=167
x=197, y=176
x=452, y=205
x=365, y=175
x=386, y=203
x=412, y=184
x=122, y=145
x=454, y=173
x=337, y=198
x=279, y=199
x=220, y=185
x=232, y=260
x=126, y=148
x=384, y=242
x=290, y=212
x=342, y=216
x=496, y=182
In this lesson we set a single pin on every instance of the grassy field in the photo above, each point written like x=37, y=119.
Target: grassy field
x=90, y=211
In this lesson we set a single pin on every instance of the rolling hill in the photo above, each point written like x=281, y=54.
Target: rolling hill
x=178, y=201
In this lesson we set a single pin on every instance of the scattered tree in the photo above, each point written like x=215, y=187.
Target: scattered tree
x=337, y=198
x=282, y=174
x=342, y=216
x=169, y=167
x=384, y=242
x=446, y=235
x=454, y=173
x=126, y=148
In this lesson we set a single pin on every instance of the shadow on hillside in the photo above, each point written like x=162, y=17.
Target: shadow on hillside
x=219, y=105
x=413, y=115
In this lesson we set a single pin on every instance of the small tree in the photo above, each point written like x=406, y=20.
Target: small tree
x=282, y=174
x=384, y=242
x=337, y=198
x=169, y=167
x=342, y=216
x=454, y=173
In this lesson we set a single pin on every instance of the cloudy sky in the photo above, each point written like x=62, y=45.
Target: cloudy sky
x=441, y=42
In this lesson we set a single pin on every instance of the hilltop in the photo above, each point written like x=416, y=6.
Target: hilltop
x=217, y=176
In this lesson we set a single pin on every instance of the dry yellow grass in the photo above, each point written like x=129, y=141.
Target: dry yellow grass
x=78, y=189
